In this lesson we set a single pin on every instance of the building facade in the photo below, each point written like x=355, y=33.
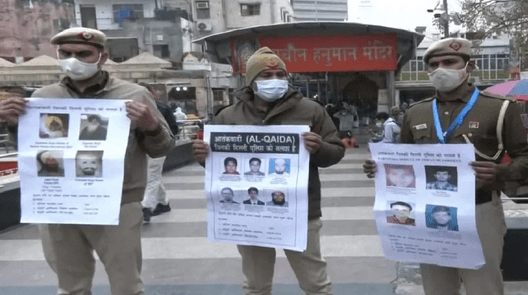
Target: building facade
x=320, y=10
x=347, y=62
x=217, y=16
x=27, y=27
x=492, y=56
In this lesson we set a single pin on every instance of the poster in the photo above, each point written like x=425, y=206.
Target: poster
x=425, y=204
x=71, y=160
x=256, y=182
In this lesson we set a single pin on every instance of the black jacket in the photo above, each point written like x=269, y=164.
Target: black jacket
x=169, y=116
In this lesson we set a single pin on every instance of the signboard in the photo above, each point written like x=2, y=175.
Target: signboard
x=338, y=53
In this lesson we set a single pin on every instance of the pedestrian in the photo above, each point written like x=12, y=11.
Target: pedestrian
x=391, y=127
x=69, y=248
x=180, y=116
x=479, y=113
x=269, y=99
x=376, y=133
x=155, y=200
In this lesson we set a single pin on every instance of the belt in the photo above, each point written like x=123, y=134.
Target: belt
x=482, y=197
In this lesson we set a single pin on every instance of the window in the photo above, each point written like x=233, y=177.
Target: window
x=127, y=11
x=485, y=65
x=161, y=50
x=218, y=95
x=249, y=9
x=202, y=5
x=413, y=65
x=202, y=10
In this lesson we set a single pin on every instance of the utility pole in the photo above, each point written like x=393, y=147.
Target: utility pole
x=446, y=19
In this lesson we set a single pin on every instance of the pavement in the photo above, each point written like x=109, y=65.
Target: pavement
x=180, y=260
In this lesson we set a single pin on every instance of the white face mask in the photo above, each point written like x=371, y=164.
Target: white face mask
x=78, y=70
x=271, y=90
x=446, y=80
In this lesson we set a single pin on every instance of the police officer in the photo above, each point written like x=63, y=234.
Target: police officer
x=69, y=248
x=269, y=100
x=459, y=113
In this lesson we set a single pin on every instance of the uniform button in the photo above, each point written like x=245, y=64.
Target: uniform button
x=446, y=113
x=470, y=134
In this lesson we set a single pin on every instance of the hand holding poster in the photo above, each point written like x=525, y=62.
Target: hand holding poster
x=256, y=182
x=71, y=157
x=425, y=203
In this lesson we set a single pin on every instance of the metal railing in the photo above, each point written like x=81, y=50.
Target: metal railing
x=189, y=129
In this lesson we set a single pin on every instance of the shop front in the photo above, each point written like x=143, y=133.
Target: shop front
x=331, y=62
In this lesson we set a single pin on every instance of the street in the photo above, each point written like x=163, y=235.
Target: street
x=179, y=260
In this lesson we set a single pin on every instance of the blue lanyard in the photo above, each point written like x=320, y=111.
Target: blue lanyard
x=443, y=136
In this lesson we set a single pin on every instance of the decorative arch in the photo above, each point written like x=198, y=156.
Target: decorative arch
x=363, y=93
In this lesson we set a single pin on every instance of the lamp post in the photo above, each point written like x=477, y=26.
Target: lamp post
x=443, y=18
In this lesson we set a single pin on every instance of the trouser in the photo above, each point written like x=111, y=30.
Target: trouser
x=69, y=252
x=155, y=191
x=309, y=267
x=491, y=227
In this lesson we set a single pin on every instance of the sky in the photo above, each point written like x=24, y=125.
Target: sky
x=403, y=14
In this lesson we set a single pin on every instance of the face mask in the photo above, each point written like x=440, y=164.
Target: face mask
x=446, y=80
x=78, y=70
x=379, y=124
x=271, y=90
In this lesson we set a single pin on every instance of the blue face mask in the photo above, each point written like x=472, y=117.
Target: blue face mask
x=271, y=90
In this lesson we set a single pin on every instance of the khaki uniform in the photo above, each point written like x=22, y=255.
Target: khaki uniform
x=479, y=127
x=69, y=248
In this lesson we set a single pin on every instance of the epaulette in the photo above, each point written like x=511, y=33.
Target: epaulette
x=220, y=109
x=421, y=101
x=495, y=95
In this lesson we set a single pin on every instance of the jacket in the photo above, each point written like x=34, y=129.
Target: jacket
x=391, y=131
x=479, y=127
x=169, y=116
x=139, y=143
x=292, y=109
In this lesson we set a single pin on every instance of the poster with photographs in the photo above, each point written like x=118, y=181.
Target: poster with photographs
x=425, y=203
x=71, y=166
x=256, y=182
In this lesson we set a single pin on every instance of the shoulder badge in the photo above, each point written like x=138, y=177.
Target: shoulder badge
x=221, y=109
x=494, y=95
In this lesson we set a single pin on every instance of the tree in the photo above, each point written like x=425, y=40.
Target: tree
x=489, y=17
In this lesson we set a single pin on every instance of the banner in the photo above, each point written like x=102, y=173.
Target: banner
x=425, y=204
x=256, y=182
x=71, y=160
x=338, y=53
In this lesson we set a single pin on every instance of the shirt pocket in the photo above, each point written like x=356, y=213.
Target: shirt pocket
x=482, y=138
x=422, y=136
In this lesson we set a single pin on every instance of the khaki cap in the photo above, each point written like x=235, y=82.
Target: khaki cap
x=449, y=46
x=262, y=59
x=80, y=35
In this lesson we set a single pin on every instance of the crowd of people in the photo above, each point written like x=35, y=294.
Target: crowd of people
x=269, y=99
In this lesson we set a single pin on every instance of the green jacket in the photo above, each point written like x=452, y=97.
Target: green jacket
x=139, y=143
x=293, y=109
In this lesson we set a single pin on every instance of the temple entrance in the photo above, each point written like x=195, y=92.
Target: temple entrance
x=362, y=93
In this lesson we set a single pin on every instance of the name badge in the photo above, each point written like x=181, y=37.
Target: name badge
x=420, y=127
x=473, y=124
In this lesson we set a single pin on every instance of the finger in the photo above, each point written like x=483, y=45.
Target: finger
x=482, y=164
x=484, y=171
x=485, y=177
